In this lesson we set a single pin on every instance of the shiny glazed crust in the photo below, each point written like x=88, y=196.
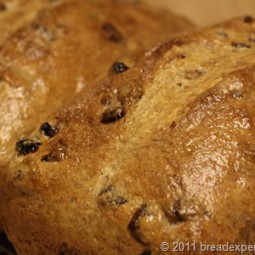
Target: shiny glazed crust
x=161, y=152
x=15, y=14
x=61, y=50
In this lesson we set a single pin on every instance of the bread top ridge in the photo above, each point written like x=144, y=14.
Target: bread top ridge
x=161, y=152
x=63, y=49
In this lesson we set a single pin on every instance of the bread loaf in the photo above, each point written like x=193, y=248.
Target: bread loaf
x=163, y=152
x=63, y=49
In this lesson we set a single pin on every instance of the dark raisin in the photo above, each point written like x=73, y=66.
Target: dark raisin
x=175, y=216
x=248, y=19
x=48, y=129
x=57, y=154
x=173, y=125
x=181, y=56
x=65, y=250
x=119, y=67
x=133, y=225
x=113, y=114
x=146, y=252
x=111, y=33
x=3, y=7
x=107, y=189
x=26, y=146
x=176, y=210
x=6, y=248
x=49, y=158
x=240, y=45
x=37, y=26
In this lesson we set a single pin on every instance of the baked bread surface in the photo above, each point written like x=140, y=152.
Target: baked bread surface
x=65, y=47
x=14, y=14
x=161, y=152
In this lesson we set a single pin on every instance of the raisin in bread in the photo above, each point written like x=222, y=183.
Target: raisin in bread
x=63, y=49
x=15, y=14
x=161, y=152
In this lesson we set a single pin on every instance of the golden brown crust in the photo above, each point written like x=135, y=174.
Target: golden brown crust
x=62, y=50
x=14, y=14
x=161, y=152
